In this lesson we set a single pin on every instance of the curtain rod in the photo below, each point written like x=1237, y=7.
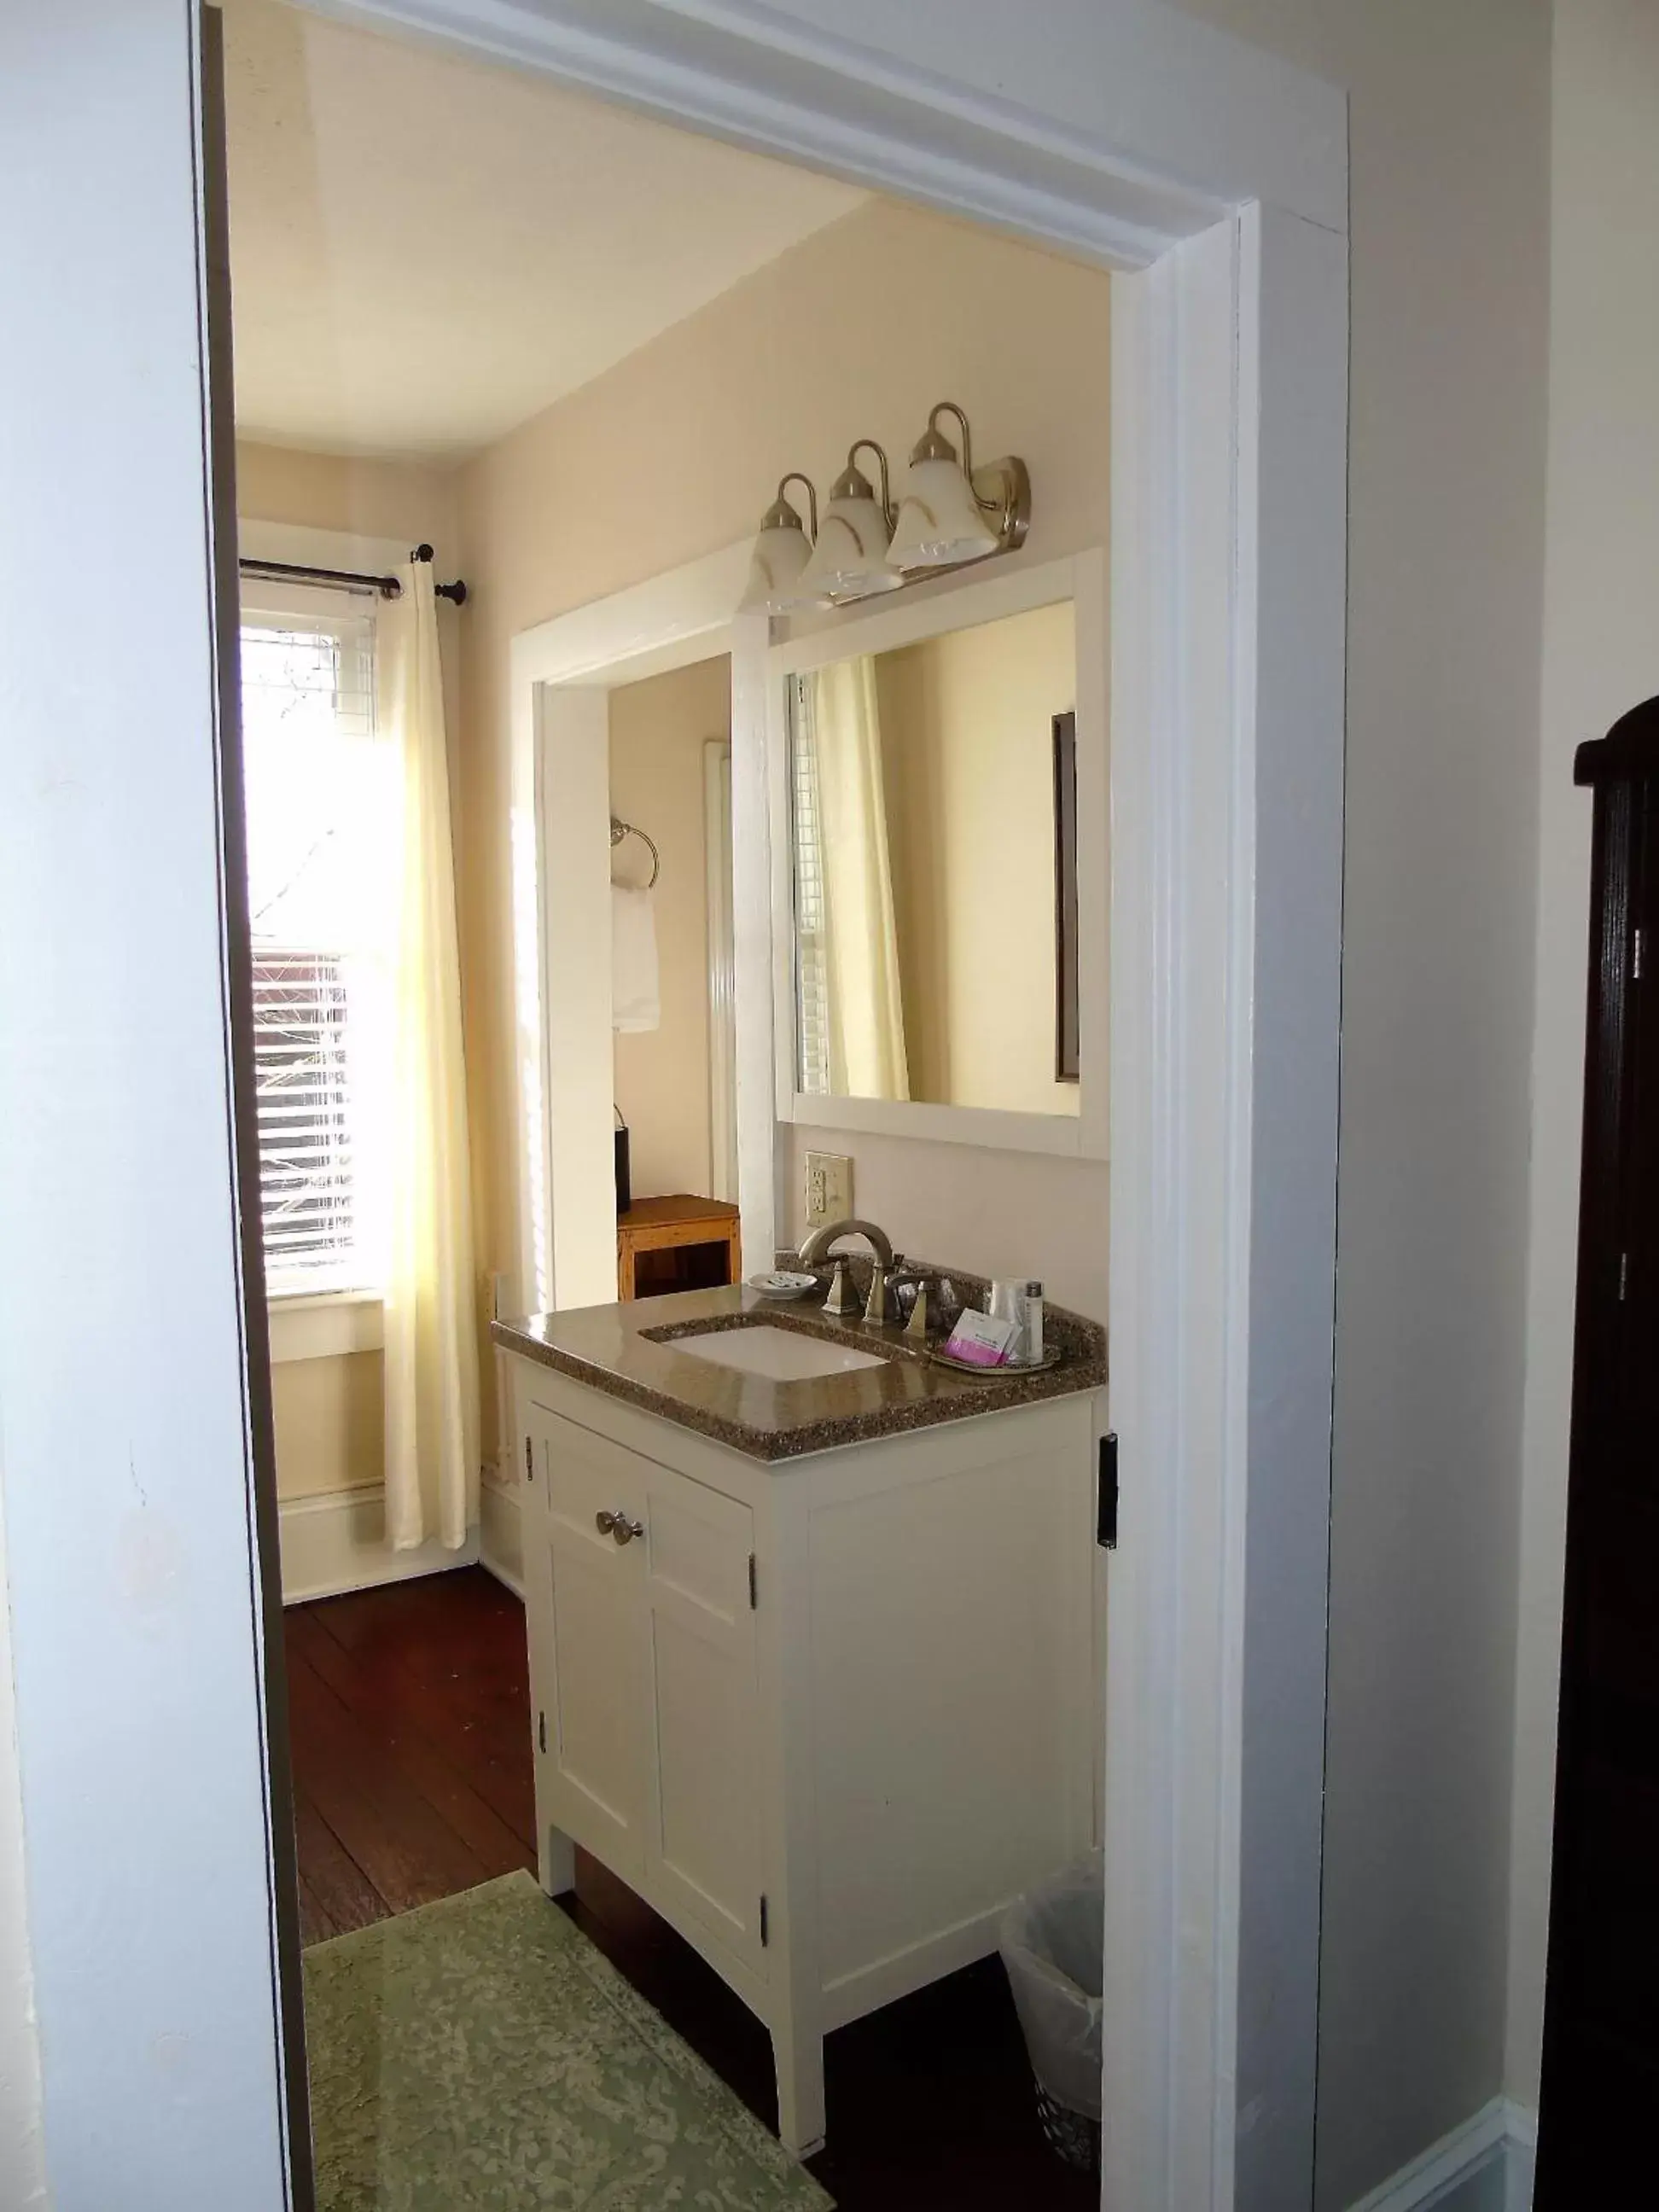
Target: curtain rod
x=350, y=579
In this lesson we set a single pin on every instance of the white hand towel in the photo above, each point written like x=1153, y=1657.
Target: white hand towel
x=635, y=1000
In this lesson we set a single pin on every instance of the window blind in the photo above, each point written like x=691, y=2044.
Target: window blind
x=303, y=1107
x=812, y=962
x=321, y=802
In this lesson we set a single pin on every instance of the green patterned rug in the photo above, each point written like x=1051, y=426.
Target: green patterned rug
x=480, y=2055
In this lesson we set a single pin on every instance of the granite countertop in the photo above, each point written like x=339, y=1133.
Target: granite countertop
x=628, y=1352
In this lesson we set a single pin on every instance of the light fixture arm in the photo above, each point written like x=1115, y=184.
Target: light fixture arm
x=780, y=515
x=936, y=446
x=885, y=497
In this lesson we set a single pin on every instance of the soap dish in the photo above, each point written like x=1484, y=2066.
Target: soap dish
x=1004, y=1367
x=782, y=1282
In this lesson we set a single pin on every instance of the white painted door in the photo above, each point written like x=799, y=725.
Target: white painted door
x=590, y=1645
x=704, y=1842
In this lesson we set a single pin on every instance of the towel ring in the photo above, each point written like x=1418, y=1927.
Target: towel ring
x=619, y=830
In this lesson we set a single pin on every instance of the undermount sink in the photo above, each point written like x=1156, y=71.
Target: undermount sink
x=782, y=1355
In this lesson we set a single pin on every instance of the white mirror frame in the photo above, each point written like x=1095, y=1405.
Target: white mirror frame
x=1081, y=579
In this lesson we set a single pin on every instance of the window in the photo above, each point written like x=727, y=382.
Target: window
x=322, y=819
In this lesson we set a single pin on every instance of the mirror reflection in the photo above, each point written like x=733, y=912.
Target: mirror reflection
x=932, y=791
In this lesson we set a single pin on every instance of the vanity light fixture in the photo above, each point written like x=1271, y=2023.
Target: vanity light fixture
x=952, y=512
x=849, y=561
x=782, y=550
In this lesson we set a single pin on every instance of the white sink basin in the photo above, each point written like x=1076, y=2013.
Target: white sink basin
x=783, y=1355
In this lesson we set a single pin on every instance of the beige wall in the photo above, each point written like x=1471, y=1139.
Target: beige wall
x=1601, y=656
x=333, y=491
x=658, y=731
x=967, y=762
x=674, y=454
x=328, y=1412
x=329, y=1424
x=1449, y=137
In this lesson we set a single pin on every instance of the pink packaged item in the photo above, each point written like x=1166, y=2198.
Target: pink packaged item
x=981, y=1339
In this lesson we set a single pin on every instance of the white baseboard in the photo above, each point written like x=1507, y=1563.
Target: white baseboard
x=1520, y=2155
x=1484, y=2165
x=336, y=1542
x=501, y=1543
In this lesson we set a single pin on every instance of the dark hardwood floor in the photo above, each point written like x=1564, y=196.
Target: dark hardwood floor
x=409, y=1720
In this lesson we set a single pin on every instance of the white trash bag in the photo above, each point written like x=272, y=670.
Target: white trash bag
x=1053, y=1943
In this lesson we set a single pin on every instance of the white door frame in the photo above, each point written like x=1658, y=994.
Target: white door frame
x=720, y=910
x=560, y=677
x=1127, y=133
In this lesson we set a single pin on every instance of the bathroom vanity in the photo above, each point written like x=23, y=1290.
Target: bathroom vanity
x=810, y=1629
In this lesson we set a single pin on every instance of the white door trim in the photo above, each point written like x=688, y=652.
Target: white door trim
x=157, y=1867
x=1227, y=713
x=560, y=675
x=1120, y=132
x=1230, y=371
x=722, y=969
x=1116, y=131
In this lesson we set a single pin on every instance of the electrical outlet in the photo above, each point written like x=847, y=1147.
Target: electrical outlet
x=829, y=1187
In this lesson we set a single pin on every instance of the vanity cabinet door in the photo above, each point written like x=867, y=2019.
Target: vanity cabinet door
x=704, y=1856
x=595, y=1691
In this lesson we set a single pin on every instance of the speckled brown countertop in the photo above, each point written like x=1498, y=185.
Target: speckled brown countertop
x=628, y=1352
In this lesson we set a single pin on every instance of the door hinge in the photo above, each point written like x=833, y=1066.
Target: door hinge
x=1624, y=1276
x=1106, y=1495
x=1635, y=957
x=766, y=1935
x=754, y=1586
x=541, y=1730
x=529, y=1459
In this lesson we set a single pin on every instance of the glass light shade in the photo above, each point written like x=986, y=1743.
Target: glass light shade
x=850, y=558
x=782, y=553
x=939, y=520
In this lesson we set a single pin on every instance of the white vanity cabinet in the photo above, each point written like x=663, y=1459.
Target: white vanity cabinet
x=827, y=1715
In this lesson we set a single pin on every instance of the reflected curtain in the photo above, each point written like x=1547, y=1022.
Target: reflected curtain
x=431, y=1332
x=866, y=1016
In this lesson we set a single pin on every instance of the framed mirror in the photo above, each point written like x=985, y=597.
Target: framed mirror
x=942, y=850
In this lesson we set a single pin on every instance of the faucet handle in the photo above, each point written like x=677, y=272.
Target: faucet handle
x=842, y=1298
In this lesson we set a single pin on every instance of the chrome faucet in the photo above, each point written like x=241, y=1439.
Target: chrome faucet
x=820, y=1245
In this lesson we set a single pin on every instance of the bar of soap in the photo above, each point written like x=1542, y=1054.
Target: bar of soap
x=981, y=1339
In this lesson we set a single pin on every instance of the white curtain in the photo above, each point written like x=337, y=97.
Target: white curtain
x=431, y=1328
x=865, y=1016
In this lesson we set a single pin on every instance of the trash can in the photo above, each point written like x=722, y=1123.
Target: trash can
x=1052, y=1942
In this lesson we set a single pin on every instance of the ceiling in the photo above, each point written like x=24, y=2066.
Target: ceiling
x=425, y=252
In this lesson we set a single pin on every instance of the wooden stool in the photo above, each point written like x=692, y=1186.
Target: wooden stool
x=701, y=1233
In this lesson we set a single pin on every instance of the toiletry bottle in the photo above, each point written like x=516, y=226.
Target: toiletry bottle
x=1031, y=1350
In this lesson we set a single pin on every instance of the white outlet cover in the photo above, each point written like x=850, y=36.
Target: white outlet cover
x=828, y=1187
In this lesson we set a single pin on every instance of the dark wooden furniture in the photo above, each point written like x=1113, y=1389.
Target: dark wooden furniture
x=676, y=1244
x=1600, y=2071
